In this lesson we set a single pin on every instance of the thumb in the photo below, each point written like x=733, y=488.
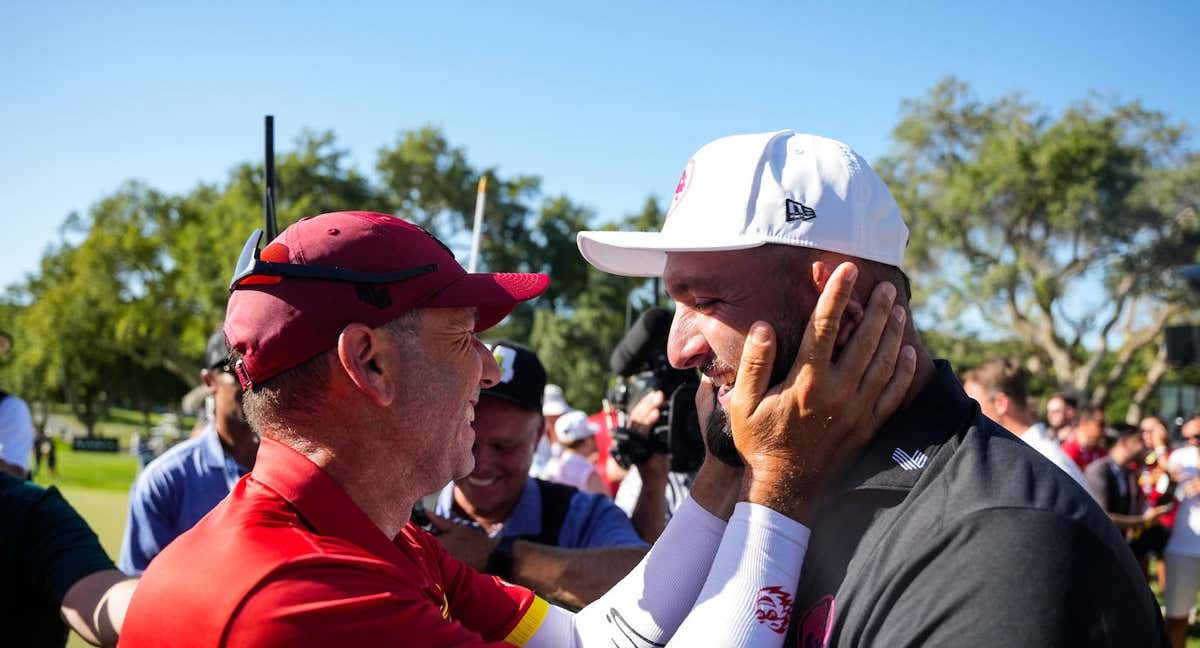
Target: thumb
x=754, y=370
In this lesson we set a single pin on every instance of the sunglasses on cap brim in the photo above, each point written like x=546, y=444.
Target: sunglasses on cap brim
x=250, y=265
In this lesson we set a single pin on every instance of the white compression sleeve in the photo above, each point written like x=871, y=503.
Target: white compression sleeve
x=647, y=605
x=745, y=599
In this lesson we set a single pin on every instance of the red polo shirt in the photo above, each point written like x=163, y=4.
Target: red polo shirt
x=288, y=559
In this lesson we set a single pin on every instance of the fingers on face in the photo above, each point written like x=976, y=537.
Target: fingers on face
x=879, y=327
x=821, y=333
x=897, y=386
x=754, y=371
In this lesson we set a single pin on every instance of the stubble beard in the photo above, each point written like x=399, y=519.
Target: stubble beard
x=789, y=331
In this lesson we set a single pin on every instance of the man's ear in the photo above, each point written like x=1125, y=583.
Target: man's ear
x=1001, y=402
x=852, y=316
x=362, y=355
x=209, y=378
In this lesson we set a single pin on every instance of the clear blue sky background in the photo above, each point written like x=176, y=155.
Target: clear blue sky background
x=604, y=101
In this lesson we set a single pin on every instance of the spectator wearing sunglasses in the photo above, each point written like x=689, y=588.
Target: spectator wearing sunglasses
x=178, y=488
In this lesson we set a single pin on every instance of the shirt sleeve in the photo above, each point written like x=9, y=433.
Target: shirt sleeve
x=150, y=525
x=16, y=432
x=593, y=521
x=1035, y=578
x=57, y=548
x=493, y=607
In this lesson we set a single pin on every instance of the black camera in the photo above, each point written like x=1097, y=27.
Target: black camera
x=641, y=365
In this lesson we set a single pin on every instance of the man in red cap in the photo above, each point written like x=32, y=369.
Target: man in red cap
x=354, y=336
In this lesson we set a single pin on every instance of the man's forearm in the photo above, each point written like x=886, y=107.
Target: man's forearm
x=649, y=515
x=13, y=469
x=575, y=577
x=95, y=606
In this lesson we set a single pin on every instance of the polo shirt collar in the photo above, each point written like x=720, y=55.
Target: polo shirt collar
x=525, y=519
x=899, y=454
x=211, y=449
x=318, y=498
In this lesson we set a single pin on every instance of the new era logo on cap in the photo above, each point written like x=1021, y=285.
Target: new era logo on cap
x=798, y=211
x=730, y=194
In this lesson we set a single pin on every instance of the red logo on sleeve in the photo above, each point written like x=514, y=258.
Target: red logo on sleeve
x=773, y=608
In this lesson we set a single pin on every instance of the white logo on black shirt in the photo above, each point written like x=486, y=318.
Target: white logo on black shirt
x=914, y=461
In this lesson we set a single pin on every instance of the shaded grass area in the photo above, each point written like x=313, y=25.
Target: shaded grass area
x=118, y=422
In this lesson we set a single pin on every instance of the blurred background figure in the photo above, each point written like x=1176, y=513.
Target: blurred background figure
x=1157, y=486
x=1060, y=416
x=1087, y=442
x=1001, y=388
x=554, y=405
x=16, y=427
x=574, y=465
x=178, y=488
x=1113, y=480
x=1182, y=555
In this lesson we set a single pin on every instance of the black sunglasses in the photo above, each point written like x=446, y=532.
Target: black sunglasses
x=250, y=264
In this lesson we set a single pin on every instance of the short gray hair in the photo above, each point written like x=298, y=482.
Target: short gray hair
x=298, y=393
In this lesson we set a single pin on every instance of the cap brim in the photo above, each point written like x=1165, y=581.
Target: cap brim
x=495, y=295
x=644, y=254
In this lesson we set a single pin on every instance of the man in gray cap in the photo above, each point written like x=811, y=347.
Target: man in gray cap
x=178, y=488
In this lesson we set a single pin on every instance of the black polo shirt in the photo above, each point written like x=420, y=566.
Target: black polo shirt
x=951, y=531
x=45, y=548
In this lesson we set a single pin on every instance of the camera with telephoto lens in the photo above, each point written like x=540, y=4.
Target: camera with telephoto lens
x=641, y=366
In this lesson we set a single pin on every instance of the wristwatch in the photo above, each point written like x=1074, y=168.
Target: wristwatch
x=500, y=561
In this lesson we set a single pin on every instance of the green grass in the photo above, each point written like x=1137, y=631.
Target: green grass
x=118, y=422
x=90, y=470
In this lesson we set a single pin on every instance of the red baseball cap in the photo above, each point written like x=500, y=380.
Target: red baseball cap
x=278, y=320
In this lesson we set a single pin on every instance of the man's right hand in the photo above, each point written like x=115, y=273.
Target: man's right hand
x=798, y=436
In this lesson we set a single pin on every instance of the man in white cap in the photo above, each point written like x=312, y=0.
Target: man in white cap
x=573, y=466
x=554, y=405
x=947, y=530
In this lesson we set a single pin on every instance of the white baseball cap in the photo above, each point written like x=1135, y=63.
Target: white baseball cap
x=744, y=191
x=574, y=426
x=553, y=401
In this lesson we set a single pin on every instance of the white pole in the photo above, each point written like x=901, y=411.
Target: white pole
x=476, y=233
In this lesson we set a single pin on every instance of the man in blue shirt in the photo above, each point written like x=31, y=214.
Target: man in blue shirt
x=178, y=488
x=568, y=545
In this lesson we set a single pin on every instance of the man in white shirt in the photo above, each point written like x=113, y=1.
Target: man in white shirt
x=573, y=465
x=16, y=435
x=1001, y=388
x=1183, y=549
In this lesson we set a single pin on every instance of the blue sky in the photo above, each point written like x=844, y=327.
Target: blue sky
x=605, y=101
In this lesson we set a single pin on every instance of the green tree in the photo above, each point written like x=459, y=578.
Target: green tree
x=1017, y=213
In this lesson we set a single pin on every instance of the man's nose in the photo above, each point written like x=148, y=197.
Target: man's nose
x=686, y=347
x=491, y=371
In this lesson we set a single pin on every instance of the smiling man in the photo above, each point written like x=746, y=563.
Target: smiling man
x=947, y=530
x=569, y=545
x=355, y=342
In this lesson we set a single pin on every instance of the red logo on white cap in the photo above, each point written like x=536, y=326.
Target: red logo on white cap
x=685, y=181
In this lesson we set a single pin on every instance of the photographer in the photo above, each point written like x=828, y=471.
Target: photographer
x=657, y=425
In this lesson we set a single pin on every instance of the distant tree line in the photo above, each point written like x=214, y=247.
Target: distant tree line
x=1014, y=211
